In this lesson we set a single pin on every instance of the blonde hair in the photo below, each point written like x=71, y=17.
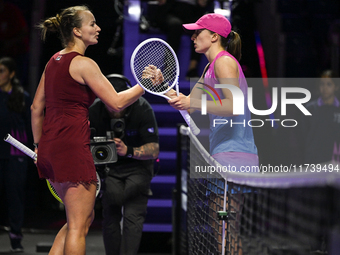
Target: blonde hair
x=63, y=23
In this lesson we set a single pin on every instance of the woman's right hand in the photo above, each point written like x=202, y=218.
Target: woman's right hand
x=154, y=74
x=36, y=152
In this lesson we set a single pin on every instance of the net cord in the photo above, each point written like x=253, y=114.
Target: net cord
x=270, y=180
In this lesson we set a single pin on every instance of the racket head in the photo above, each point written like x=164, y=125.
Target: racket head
x=157, y=52
x=99, y=184
x=53, y=192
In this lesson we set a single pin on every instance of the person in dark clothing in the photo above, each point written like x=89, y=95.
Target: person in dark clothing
x=14, y=38
x=127, y=185
x=15, y=116
x=172, y=14
x=322, y=129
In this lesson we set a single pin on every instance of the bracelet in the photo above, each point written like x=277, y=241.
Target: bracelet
x=35, y=145
x=129, y=152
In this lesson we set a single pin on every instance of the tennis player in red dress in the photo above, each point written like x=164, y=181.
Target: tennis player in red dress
x=68, y=86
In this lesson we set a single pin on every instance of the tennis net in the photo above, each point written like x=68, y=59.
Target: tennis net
x=266, y=212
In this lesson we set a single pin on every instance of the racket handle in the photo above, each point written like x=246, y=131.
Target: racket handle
x=186, y=116
x=10, y=139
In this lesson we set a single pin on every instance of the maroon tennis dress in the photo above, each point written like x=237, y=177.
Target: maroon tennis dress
x=64, y=148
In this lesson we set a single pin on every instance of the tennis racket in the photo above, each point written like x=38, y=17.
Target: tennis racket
x=10, y=139
x=156, y=52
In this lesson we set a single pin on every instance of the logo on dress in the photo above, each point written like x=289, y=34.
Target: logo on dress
x=58, y=58
x=151, y=130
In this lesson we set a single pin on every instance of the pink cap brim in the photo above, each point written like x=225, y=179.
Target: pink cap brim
x=192, y=26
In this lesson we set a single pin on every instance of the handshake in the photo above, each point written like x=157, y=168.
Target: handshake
x=152, y=77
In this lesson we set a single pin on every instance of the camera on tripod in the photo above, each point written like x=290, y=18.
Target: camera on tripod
x=103, y=149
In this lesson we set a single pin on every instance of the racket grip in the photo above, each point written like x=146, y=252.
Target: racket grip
x=186, y=116
x=10, y=139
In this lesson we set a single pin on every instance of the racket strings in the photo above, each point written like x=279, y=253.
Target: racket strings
x=158, y=54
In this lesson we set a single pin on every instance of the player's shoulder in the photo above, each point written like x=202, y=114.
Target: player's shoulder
x=226, y=66
x=84, y=62
x=226, y=60
x=82, y=66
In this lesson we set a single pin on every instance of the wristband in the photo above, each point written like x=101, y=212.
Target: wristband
x=129, y=152
x=35, y=145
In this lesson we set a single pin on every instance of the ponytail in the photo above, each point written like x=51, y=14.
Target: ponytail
x=232, y=44
x=51, y=24
x=63, y=23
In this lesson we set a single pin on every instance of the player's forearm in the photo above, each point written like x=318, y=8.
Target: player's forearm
x=37, y=119
x=126, y=98
x=37, y=130
x=224, y=110
x=146, y=151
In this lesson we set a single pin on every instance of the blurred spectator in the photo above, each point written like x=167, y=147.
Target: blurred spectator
x=14, y=38
x=170, y=17
x=15, y=116
x=322, y=129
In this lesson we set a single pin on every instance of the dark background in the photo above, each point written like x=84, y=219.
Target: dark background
x=298, y=38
